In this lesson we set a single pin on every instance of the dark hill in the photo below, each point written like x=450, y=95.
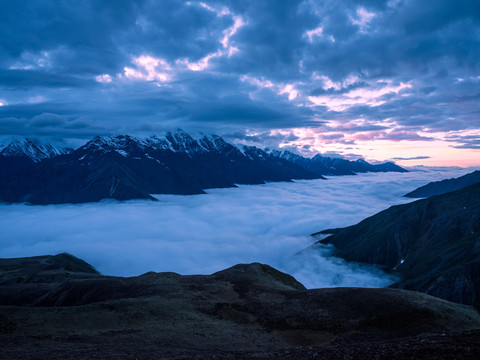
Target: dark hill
x=58, y=307
x=445, y=186
x=434, y=244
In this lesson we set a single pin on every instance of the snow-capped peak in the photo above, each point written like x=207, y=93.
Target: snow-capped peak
x=176, y=141
x=182, y=142
x=34, y=151
x=124, y=145
x=111, y=142
x=213, y=142
x=286, y=155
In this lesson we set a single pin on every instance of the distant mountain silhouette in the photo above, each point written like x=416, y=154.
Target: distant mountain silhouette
x=336, y=166
x=445, y=186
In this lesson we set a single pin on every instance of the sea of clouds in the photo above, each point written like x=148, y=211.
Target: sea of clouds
x=202, y=234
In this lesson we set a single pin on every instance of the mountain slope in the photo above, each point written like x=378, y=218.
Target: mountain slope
x=434, y=244
x=116, y=168
x=445, y=186
x=58, y=307
x=247, y=165
x=124, y=167
x=22, y=153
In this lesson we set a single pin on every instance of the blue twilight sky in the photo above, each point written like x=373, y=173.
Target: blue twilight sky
x=397, y=79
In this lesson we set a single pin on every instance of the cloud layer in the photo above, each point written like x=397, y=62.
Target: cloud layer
x=206, y=233
x=366, y=71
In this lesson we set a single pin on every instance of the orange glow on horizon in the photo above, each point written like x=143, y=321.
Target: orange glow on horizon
x=404, y=152
x=438, y=152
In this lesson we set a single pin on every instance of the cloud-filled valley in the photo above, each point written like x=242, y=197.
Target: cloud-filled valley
x=205, y=233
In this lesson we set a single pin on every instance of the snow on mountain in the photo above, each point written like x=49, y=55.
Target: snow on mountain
x=334, y=165
x=287, y=155
x=126, y=145
x=209, y=151
x=178, y=141
x=216, y=144
x=35, y=152
x=182, y=142
x=123, y=144
x=125, y=167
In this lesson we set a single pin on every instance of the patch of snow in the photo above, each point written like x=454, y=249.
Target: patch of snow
x=35, y=151
x=241, y=148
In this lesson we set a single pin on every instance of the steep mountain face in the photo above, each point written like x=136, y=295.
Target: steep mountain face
x=35, y=152
x=248, y=165
x=119, y=168
x=335, y=166
x=22, y=153
x=434, y=244
x=124, y=167
x=59, y=307
x=445, y=186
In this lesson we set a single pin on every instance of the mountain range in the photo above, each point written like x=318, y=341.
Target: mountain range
x=21, y=153
x=433, y=244
x=335, y=166
x=125, y=167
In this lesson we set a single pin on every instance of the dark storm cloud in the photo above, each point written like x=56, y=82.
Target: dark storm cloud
x=272, y=43
x=26, y=79
x=265, y=139
x=51, y=125
x=404, y=66
x=410, y=36
x=82, y=28
x=249, y=113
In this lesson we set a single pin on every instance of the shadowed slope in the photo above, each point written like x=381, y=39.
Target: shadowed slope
x=445, y=186
x=433, y=243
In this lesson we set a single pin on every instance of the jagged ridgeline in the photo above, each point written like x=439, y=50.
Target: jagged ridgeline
x=125, y=167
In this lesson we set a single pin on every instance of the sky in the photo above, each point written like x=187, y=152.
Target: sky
x=201, y=234
x=385, y=80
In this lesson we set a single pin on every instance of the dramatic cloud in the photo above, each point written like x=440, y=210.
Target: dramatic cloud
x=406, y=72
x=206, y=233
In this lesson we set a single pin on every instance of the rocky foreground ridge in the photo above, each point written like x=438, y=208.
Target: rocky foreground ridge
x=59, y=307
